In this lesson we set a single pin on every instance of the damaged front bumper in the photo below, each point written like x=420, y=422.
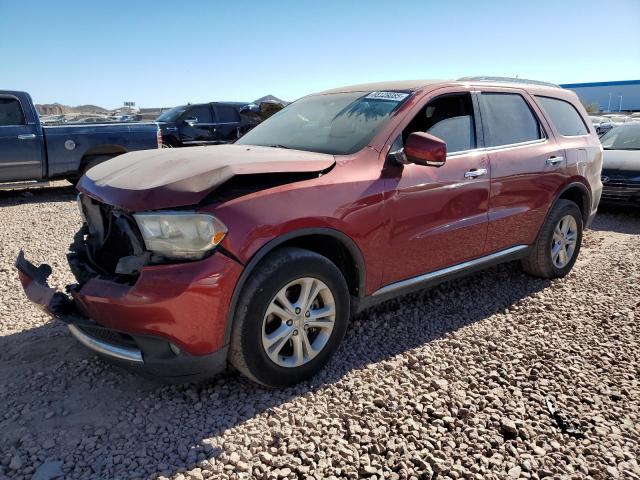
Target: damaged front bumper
x=157, y=325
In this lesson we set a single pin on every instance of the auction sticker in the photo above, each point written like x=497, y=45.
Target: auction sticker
x=393, y=96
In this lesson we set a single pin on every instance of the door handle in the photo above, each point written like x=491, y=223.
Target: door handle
x=554, y=160
x=476, y=172
x=27, y=136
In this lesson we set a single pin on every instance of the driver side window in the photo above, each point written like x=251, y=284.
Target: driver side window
x=201, y=113
x=450, y=118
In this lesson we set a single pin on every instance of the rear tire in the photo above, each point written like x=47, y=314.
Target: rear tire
x=282, y=336
x=558, y=243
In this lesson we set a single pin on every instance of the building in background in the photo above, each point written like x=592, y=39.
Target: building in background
x=622, y=96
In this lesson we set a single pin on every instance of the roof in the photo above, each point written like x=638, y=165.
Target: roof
x=410, y=85
x=601, y=84
x=413, y=85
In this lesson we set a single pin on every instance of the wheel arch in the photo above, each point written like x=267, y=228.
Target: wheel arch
x=578, y=193
x=104, y=150
x=347, y=257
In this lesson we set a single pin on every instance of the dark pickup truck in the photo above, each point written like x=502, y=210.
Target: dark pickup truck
x=206, y=123
x=30, y=152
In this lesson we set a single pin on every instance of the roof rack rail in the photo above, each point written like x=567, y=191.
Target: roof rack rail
x=507, y=80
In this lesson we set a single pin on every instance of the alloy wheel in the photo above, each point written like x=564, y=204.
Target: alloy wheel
x=298, y=322
x=563, y=243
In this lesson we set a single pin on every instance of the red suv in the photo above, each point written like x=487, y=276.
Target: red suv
x=257, y=253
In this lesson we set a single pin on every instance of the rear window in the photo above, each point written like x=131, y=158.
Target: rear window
x=507, y=119
x=564, y=116
x=10, y=112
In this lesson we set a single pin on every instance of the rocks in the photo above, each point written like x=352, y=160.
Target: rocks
x=439, y=383
x=508, y=429
x=48, y=471
x=451, y=382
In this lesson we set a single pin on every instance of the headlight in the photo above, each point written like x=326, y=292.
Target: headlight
x=180, y=235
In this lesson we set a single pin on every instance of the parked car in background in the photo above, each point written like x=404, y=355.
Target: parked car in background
x=601, y=124
x=33, y=152
x=257, y=253
x=621, y=165
x=618, y=119
x=204, y=124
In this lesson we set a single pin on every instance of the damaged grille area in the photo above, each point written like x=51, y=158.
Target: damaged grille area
x=108, y=244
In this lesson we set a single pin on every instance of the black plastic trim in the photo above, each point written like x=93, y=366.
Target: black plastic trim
x=270, y=246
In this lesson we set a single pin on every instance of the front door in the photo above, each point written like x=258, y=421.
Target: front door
x=439, y=214
x=527, y=167
x=20, y=143
x=198, y=127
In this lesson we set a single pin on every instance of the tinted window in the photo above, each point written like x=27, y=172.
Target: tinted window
x=507, y=119
x=449, y=118
x=171, y=115
x=564, y=116
x=226, y=114
x=201, y=112
x=10, y=112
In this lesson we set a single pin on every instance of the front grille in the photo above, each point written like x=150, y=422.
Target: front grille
x=620, y=189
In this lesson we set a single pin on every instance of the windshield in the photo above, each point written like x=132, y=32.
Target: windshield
x=622, y=138
x=337, y=123
x=171, y=115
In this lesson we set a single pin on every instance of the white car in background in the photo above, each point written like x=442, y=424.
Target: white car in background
x=601, y=124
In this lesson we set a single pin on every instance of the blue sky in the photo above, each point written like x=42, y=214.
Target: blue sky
x=163, y=53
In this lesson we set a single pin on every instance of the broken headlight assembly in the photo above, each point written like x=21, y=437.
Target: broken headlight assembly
x=178, y=235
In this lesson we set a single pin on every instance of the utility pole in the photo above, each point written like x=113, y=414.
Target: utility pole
x=609, y=108
x=620, y=107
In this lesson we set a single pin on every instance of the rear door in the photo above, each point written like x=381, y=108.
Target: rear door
x=527, y=166
x=198, y=126
x=21, y=151
x=227, y=123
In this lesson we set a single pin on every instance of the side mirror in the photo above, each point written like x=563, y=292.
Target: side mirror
x=191, y=121
x=424, y=149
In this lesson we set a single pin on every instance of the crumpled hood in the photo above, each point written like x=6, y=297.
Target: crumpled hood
x=174, y=177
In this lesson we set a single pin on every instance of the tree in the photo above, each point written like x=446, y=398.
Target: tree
x=589, y=107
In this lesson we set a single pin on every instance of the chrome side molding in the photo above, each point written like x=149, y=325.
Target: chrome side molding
x=106, y=349
x=448, y=271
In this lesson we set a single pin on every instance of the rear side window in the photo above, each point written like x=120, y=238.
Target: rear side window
x=226, y=114
x=564, y=116
x=202, y=113
x=507, y=119
x=10, y=112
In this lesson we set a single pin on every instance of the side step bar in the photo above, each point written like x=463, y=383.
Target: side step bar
x=447, y=273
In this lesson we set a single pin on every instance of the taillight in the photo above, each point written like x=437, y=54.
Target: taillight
x=159, y=137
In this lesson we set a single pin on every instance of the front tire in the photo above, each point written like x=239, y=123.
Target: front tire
x=558, y=243
x=291, y=317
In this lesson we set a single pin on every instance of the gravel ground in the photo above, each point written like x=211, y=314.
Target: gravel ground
x=457, y=382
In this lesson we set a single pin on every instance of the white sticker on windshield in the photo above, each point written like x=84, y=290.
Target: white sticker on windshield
x=394, y=96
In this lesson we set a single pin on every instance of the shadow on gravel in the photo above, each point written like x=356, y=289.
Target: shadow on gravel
x=57, y=193
x=617, y=218
x=61, y=401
